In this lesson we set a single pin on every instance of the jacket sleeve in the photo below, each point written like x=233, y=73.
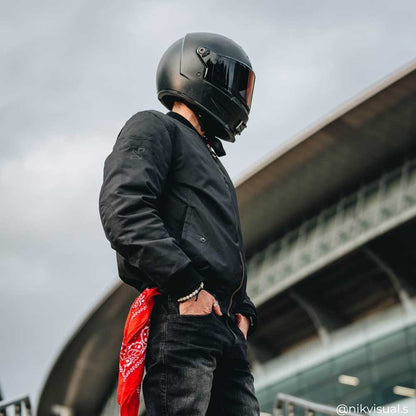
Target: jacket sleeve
x=135, y=174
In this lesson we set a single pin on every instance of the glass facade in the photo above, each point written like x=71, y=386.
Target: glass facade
x=377, y=367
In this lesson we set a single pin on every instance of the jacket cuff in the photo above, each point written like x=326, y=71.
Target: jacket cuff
x=183, y=282
x=250, y=313
x=253, y=324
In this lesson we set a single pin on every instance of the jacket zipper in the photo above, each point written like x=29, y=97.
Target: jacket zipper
x=239, y=286
x=211, y=151
x=214, y=156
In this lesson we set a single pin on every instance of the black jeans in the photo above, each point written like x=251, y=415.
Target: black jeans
x=196, y=365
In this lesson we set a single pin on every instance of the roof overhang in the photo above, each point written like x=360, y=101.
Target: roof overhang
x=372, y=132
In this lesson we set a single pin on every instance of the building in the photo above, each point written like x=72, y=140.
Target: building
x=329, y=225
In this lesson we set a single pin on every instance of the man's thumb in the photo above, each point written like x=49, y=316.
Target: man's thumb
x=217, y=308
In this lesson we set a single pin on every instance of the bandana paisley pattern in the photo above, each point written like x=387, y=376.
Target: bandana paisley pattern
x=133, y=352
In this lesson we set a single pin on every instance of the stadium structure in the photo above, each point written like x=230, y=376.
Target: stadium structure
x=329, y=225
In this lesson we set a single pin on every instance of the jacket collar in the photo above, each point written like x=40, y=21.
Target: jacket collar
x=213, y=142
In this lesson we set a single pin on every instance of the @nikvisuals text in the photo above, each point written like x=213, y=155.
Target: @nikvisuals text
x=343, y=409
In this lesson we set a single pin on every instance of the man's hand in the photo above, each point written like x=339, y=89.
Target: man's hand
x=203, y=305
x=243, y=324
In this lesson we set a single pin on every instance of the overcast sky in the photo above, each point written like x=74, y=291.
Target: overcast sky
x=72, y=72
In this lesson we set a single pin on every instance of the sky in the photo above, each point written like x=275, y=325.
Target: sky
x=71, y=74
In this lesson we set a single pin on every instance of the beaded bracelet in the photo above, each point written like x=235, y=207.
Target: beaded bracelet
x=191, y=295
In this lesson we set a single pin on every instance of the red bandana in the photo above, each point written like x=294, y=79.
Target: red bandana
x=133, y=352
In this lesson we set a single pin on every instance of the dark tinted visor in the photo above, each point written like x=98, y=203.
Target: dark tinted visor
x=231, y=75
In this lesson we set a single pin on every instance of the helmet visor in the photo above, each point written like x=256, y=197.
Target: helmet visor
x=234, y=76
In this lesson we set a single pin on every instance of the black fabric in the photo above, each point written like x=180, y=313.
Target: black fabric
x=217, y=146
x=213, y=141
x=184, y=282
x=170, y=211
x=182, y=119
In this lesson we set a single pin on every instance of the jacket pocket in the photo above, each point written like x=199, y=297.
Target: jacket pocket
x=193, y=239
x=210, y=247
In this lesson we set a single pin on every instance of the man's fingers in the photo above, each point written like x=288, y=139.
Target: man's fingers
x=242, y=323
x=216, y=308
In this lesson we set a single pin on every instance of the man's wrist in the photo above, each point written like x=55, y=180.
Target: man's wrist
x=192, y=294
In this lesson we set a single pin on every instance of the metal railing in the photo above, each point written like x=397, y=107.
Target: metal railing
x=289, y=402
x=337, y=230
x=18, y=404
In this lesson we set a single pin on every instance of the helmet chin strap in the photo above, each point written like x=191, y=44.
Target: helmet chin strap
x=213, y=141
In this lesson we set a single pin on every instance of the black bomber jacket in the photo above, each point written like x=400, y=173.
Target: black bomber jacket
x=170, y=211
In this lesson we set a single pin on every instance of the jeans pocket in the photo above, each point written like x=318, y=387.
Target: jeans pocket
x=187, y=315
x=173, y=307
x=241, y=333
x=238, y=330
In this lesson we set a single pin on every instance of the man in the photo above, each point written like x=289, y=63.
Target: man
x=170, y=211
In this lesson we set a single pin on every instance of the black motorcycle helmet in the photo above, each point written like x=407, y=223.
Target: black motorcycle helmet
x=214, y=77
